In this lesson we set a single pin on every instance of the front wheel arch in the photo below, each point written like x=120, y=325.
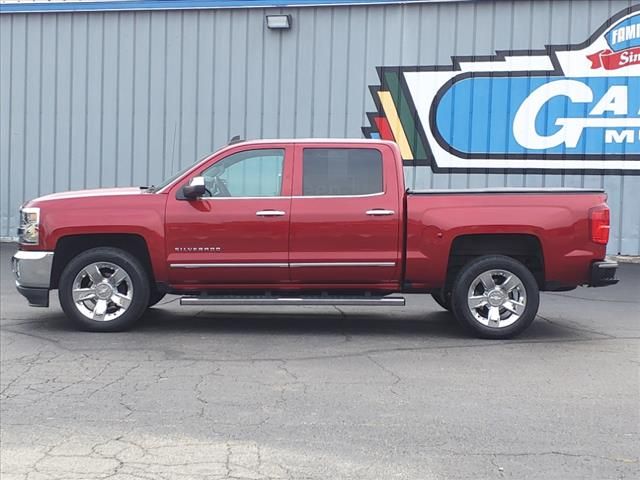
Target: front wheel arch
x=71, y=246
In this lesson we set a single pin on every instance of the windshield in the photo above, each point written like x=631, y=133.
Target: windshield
x=173, y=178
x=168, y=181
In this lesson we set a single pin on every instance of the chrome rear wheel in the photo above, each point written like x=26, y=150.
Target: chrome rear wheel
x=497, y=298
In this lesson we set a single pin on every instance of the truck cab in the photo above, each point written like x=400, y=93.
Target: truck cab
x=312, y=214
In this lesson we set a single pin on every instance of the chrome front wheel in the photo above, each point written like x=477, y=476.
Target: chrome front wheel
x=102, y=291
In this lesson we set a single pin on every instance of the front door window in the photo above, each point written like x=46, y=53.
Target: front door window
x=253, y=173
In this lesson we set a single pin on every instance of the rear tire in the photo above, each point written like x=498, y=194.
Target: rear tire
x=104, y=290
x=495, y=297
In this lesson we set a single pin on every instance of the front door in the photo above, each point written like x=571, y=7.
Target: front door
x=239, y=232
x=345, y=216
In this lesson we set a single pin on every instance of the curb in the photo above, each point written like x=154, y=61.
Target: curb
x=624, y=259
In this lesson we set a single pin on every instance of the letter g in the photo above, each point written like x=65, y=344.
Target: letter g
x=524, y=123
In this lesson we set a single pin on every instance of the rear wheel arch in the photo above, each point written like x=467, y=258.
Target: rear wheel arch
x=70, y=246
x=525, y=248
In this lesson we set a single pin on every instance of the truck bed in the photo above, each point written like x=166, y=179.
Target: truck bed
x=556, y=219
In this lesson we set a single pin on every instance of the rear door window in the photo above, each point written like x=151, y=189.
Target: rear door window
x=341, y=171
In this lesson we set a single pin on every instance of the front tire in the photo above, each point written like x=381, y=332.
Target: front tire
x=104, y=290
x=495, y=297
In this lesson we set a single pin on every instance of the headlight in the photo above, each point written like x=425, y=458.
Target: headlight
x=29, y=231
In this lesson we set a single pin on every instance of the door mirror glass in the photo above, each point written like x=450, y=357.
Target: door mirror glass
x=195, y=189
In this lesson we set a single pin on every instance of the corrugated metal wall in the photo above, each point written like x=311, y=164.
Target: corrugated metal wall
x=102, y=99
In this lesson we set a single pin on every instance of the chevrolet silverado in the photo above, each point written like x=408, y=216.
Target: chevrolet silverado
x=310, y=222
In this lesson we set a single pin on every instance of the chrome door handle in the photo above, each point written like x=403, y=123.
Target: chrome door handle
x=380, y=212
x=270, y=213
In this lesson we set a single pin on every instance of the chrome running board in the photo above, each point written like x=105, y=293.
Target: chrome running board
x=252, y=300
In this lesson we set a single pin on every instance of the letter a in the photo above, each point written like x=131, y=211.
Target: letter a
x=614, y=101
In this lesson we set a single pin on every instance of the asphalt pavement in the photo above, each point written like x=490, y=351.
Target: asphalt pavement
x=322, y=393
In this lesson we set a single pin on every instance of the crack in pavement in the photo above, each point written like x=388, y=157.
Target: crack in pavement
x=543, y=453
x=482, y=344
x=603, y=300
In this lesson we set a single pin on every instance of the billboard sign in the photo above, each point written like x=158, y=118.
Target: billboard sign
x=568, y=107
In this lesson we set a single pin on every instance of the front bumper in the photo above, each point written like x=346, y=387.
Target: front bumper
x=32, y=273
x=603, y=273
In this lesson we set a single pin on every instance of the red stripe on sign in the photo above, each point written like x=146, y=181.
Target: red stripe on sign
x=614, y=60
x=383, y=127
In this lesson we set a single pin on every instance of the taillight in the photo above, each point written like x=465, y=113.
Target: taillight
x=600, y=220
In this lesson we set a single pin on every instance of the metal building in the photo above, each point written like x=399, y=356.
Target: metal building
x=485, y=93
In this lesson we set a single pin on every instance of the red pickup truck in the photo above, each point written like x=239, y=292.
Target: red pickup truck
x=310, y=222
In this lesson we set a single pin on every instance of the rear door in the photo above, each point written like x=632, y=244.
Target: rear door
x=345, y=215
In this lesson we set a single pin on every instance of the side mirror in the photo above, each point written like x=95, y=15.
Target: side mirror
x=195, y=189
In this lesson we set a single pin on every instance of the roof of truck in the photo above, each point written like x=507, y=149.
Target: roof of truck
x=267, y=141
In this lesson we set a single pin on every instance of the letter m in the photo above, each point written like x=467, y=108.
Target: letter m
x=625, y=136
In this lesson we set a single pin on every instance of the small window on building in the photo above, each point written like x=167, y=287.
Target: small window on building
x=341, y=171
